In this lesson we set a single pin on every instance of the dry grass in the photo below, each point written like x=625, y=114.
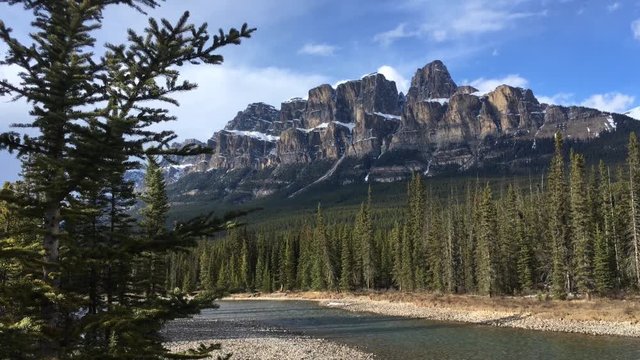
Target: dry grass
x=627, y=310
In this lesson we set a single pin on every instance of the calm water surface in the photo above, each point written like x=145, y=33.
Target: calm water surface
x=399, y=338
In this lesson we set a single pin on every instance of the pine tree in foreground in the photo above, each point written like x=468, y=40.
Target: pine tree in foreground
x=92, y=115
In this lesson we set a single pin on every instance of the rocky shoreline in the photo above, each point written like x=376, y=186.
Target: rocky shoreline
x=271, y=348
x=248, y=340
x=517, y=318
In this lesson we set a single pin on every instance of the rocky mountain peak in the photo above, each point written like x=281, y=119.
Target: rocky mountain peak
x=256, y=117
x=385, y=136
x=433, y=81
x=321, y=105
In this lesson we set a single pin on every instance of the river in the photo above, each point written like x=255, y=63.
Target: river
x=401, y=338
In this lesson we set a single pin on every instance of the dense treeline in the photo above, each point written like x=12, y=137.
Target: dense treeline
x=574, y=231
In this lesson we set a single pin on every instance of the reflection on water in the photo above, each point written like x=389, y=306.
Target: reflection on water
x=400, y=338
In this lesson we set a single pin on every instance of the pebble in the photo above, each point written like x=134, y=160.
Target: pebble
x=252, y=340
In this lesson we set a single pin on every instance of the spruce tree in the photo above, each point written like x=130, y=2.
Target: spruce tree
x=92, y=114
x=633, y=162
x=289, y=265
x=364, y=236
x=346, y=265
x=436, y=253
x=154, y=218
x=580, y=222
x=397, y=247
x=603, y=264
x=610, y=235
x=486, y=251
x=407, y=267
x=558, y=222
x=416, y=230
x=245, y=267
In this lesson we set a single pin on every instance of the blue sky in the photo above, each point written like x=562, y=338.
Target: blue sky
x=568, y=51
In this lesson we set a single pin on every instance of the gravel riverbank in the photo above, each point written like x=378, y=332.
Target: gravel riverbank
x=247, y=340
x=524, y=318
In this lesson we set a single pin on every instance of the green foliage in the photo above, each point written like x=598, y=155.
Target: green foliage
x=580, y=227
x=81, y=277
x=559, y=222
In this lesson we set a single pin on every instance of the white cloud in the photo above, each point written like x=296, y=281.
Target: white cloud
x=454, y=20
x=487, y=85
x=635, y=28
x=317, y=49
x=557, y=99
x=225, y=90
x=612, y=102
x=402, y=83
x=388, y=37
x=613, y=7
x=477, y=18
x=439, y=35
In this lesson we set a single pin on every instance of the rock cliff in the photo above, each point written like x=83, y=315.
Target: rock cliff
x=438, y=126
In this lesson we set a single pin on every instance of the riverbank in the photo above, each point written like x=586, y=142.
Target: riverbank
x=593, y=317
x=249, y=340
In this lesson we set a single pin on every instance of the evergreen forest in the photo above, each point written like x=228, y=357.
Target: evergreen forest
x=572, y=232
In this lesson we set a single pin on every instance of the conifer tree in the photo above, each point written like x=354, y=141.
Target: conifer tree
x=610, y=235
x=407, y=267
x=323, y=275
x=559, y=222
x=580, y=221
x=206, y=273
x=306, y=258
x=416, y=230
x=364, y=236
x=634, y=195
x=92, y=115
x=470, y=241
x=154, y=218
x=486, y=251
x=603, y=264
x=245, y=269
x=289, y=266
x=346, y=265
x=435, y=251
x=623, y=225
x=397, y=247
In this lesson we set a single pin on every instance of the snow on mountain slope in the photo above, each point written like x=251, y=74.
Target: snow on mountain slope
x=634, y=113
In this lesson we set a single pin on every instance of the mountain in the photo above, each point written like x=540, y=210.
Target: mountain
x=365, y=131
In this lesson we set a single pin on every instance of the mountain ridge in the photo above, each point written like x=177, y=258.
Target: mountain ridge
x=436, y=127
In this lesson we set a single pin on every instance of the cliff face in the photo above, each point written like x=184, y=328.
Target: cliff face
x=440, y=124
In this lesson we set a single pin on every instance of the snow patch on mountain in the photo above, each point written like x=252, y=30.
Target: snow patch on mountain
x=610, y=123
x=349, y=126
x=634, y=113
x=388, y=116
x=442, y=101
x=255, y=135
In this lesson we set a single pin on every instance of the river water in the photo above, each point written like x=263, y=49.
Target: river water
x=401, y=338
